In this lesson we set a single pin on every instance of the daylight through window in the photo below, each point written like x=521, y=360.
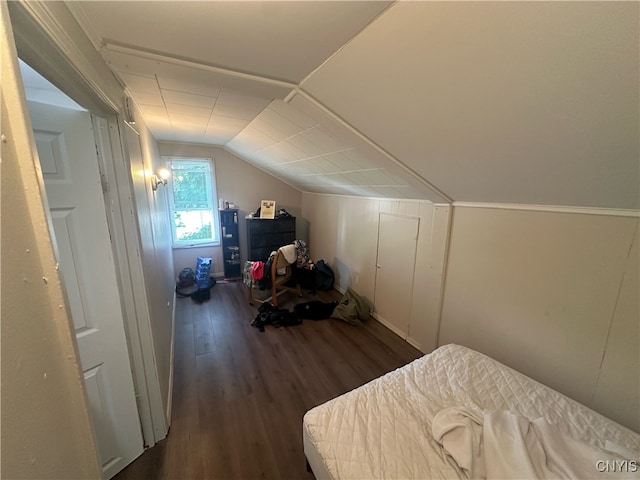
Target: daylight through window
x=191, y=200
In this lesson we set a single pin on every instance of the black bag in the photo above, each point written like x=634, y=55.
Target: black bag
x=315, y=309
x=324, y=276
x=203, y=294
x=278, y=317
x=186, y=284
x=281, y=317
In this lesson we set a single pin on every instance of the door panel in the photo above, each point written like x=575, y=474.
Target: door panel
x=397, y=240
x=67, y=151
x=64, y=223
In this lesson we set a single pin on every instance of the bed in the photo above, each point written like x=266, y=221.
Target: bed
x=425, y=420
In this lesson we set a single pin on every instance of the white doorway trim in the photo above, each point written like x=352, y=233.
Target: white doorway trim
x=124, y=231
x=44, y=34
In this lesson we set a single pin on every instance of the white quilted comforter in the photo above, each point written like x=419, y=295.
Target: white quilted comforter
x=383, y=429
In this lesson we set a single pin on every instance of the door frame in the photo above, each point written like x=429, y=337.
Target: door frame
x=124, y=227
x=44, y=33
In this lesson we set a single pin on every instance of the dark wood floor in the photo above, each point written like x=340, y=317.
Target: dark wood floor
x=240, y=394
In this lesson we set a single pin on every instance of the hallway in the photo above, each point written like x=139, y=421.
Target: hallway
x=240, y=395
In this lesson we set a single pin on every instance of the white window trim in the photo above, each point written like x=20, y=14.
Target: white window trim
x=211, y=200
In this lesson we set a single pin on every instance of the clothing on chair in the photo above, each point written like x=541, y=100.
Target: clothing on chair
x=289, y=252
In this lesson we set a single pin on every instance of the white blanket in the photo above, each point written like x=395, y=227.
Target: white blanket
x=382, y=430
x=502, y=444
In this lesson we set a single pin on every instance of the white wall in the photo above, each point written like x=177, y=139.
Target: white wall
x=344, y=233
x=553, y=295
x=244, y=185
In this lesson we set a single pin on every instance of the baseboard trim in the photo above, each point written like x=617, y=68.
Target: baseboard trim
x=391, y=327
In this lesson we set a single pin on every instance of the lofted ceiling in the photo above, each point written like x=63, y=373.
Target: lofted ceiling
x=505, y=102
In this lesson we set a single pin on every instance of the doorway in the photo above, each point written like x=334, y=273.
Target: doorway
x=67, y=152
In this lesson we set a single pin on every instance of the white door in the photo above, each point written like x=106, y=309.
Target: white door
x=67, y=151
x=395, y=265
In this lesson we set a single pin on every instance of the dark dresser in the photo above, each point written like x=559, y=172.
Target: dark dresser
x=266, y=235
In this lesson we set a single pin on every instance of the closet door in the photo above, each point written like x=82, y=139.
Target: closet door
x=395, y=266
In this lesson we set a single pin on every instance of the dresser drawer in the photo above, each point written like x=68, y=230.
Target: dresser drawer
x=265, y=236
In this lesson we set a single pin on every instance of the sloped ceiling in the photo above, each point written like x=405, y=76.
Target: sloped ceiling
x=508, y=102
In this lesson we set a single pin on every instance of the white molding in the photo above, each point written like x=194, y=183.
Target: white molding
x=139, y=323
x=391, y=327
x=171, y=363
x=198, y=66
x=80, y=14
x=613, y=212
x=53, y=34
x=383, y=199
x=414, y=343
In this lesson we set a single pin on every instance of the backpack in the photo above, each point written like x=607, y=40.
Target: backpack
x=324, y=276
x=186, y=284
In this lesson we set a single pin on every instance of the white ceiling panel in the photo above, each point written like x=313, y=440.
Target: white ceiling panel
x=254, y=139
x=153, y=111
x=314, y=166
x=345, y=160
x=139, y=83
x=274, y=124
x=148, y=98
x=184, y=98
x=510, y=102
x=189, y=80
x=323, y=139
x=304, y=144
x=290, y=152
x=177, y=108
x=294, y=115
x=536, y=102
x=245, y=102
x=234, y=112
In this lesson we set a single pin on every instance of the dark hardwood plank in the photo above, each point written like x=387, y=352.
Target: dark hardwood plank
x=240, y=394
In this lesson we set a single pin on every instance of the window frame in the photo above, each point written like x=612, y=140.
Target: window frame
x=169, y=161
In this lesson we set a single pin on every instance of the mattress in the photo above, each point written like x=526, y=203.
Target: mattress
x=383, y=429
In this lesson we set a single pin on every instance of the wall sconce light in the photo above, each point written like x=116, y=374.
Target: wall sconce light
x=160, y=179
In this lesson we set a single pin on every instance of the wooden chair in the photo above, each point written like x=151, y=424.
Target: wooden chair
x=278, y=282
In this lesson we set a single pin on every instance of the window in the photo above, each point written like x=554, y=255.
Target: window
x=191, y=201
